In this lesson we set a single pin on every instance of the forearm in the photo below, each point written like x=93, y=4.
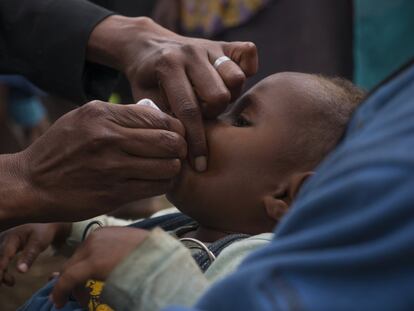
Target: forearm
x=46, y=41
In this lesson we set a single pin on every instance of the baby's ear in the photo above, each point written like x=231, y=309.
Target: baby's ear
x=276, y=206
x=278, y=203
x=295, y=183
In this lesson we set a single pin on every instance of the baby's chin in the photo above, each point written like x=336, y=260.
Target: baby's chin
x=184, y=191
x=181, y=184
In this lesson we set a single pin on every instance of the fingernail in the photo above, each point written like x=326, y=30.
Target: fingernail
x=200, y=164
x=23, y=267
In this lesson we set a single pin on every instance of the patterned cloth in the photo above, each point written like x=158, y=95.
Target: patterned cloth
x=209, y=17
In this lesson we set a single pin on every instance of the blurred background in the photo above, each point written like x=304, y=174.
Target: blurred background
x=362, y=40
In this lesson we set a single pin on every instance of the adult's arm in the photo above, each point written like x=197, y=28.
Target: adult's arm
x=46, y=41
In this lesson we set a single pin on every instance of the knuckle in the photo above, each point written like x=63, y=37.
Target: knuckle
x=250, y=46
x=236, y=80
x=168, y=59
x=93, y=109
x=96, y=141
x=146, y=21
x=169, y=140
x=191, y=50
x=162, y=120
x=31, y=254
x=154, y=119
x=221, y=97
x=188, y=111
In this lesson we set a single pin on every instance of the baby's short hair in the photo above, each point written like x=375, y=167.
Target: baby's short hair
x=334, y=103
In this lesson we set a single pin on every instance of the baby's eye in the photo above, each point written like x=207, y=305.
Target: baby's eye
x=240, y=121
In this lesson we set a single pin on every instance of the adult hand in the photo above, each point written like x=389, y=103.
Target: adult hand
x=174, y=70
x=31, y=240
x=91, y=161
x=96, y=258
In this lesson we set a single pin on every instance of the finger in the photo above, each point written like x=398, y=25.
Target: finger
x=8, y=279
x=147, y=169
x=29, y=254
x=136, y=116
x=11, y=246
x=72, y=277
x=184, y=105
x=153, y=143
x=207, y=83
x=139, y=189
x=232, y=75
x=244, y=54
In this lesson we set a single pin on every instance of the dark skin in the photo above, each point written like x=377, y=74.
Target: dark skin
x=70, y=176
x=174, y=71
x=99, y=156
x=252, y=141
x=251, y=180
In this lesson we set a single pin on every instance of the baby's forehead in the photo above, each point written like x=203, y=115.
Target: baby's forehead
x=288, y=88
x=291, y=80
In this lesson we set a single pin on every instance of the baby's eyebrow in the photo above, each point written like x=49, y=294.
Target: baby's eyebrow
x=244, y=102
x=249, y=100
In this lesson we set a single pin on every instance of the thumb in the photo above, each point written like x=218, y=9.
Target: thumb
x=29, y=254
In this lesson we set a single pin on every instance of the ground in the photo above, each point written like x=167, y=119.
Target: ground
x=26, y=285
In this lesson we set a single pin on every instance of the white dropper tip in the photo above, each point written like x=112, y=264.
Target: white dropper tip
x=148, y=102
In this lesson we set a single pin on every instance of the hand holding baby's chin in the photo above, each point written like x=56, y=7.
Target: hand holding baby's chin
x=95, y=259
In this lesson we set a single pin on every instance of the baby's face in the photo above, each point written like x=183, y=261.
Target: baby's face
x=249, y=156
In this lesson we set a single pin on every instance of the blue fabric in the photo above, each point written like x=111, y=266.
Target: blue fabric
x=348, y=242
x=26, y=111
x=24, y=107
x=20, y=83
x=41, y=302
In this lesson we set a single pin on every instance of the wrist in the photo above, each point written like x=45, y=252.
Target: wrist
x=18, y=202
x=110, y=40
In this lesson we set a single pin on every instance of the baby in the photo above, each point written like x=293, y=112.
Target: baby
x=261, y=150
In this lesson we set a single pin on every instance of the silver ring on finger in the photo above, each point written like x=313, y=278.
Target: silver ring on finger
x=221, y=60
